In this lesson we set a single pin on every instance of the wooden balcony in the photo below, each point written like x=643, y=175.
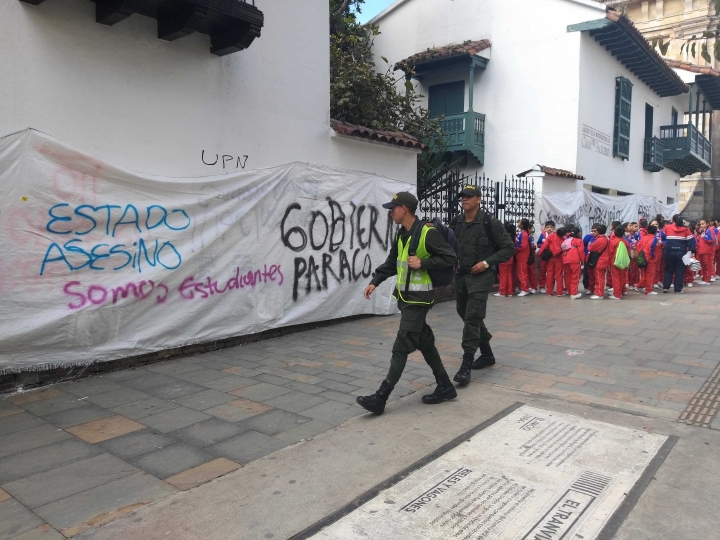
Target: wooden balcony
x=685, y=149
x=465, y=132
x=231, y=24
x=653, y=156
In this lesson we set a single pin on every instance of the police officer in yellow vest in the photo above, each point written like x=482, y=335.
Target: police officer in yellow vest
x=414, y=293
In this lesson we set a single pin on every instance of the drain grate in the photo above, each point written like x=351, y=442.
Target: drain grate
x=704, y=406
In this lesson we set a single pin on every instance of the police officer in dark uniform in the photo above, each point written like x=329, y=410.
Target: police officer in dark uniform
x=484, y=243
x=415, y=298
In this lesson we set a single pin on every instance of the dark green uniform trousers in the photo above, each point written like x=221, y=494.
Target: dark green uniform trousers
x=414, y=334
x=472, y=307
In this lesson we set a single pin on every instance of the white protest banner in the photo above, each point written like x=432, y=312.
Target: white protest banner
x=102, y=263
x=583, y=208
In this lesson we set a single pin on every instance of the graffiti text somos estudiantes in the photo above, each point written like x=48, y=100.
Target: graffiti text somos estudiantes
x=189, y=289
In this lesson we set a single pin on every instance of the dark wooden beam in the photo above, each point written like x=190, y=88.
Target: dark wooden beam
x=174, y=24
x=109, y=12
x=233, y=39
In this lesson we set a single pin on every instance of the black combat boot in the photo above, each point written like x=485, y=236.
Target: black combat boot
x=486, y=358
x=463, y=376
x=443, y=391
x=376, y=402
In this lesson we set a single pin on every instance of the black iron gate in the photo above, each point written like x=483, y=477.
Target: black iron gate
x=509, y=200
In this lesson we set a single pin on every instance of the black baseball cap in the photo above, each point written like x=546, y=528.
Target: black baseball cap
x=404, y=198
x=473, y=191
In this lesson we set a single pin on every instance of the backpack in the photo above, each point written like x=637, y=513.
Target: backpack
x=566, y=244
x=641, y=260
x=444, y=276
x=594, y=258
x=622, y=258
x=546, y=255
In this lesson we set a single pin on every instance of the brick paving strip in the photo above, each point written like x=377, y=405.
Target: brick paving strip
x=79, y=454
x=702, y=411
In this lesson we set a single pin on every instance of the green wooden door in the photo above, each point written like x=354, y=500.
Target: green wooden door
x=623, y=106
x=446, y=99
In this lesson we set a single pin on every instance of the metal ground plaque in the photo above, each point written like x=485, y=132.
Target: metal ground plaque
x=533, y=475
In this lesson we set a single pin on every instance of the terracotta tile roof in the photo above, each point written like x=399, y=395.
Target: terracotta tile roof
x=707, y=78
x=551, y=171
x=390, y=137
x=468, y=48
x=687, y=66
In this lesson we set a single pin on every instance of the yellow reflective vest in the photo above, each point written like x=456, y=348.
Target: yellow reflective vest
x=420, y=289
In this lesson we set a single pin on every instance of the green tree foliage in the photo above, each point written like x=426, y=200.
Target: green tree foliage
x=361, y=95
x=706, y=44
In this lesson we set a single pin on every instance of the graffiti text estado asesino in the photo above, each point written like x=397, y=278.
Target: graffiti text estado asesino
x=70, y=224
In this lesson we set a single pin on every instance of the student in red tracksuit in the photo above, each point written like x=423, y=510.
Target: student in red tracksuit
x=609, y=275
x=532, y=274
x=572, y=259
x=522, y=253
x=619, y=276
x=716, y=226
x=599, y=245
x=650, y=247
x=549, y=229
x=706, y=250
x=554, y=265
x=689, y=275
x=660, y=266
x=506, y=269
x=633, y=236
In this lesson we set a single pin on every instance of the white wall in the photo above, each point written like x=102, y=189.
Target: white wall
x=123, y=95
x=529, y=91
x=598, y=70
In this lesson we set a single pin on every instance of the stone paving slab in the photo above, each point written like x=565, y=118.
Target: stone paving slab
x=172, y=460
x=15, y=519
x=247, y=447
x=208, y=432
x=44, y=532
x=34, y=437
x=92, y=507
x=44, y=488
x=43, y=459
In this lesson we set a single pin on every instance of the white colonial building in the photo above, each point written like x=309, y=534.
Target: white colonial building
x=565, y=91
x=183, y=88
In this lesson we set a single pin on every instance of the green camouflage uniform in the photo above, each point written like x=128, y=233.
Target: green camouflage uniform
x=472, y=289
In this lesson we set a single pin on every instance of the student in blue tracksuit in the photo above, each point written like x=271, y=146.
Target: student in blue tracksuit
x=680, y=240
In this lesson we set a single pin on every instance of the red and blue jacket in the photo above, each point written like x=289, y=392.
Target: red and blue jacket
x=648, y=245
x=541, y=239
x=600, y=244
x=679, y=239
x=706, y=242
x=522, y=242
x=553, y=244
x=574, y=255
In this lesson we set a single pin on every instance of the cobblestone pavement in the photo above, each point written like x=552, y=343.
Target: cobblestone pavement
x=79, y=454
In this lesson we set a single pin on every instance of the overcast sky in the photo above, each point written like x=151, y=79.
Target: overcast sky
x=371, y=8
